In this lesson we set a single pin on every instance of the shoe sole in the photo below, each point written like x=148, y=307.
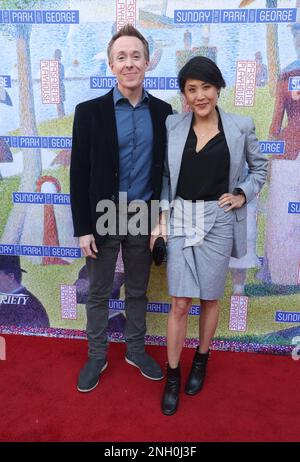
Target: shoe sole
x=192, y=394
x=90, y=389
x=145, y=375
x=169, y=413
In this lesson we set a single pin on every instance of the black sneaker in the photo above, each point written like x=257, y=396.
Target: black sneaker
x=89, y=375
x=148, y=367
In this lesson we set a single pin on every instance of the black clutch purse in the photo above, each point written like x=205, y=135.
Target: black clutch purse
x=159, y=251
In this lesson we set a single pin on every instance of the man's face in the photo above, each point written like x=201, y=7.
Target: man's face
x=128, y=63
x=6, y=281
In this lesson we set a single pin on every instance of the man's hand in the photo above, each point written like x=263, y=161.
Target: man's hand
x=88, y=246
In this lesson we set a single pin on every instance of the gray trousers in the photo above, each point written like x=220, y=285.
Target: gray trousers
x=137, y=261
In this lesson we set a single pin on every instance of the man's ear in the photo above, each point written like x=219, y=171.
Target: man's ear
x=111, y=65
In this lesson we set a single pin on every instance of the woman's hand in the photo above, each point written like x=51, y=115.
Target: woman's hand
x=231, y=201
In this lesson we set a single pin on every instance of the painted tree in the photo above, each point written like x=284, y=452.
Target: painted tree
x=272, y=46
x=32, y=162
x=164, y=7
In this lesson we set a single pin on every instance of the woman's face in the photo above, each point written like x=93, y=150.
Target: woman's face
x=202, y=97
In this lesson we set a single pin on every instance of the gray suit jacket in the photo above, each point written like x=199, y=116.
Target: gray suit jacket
x=243, y=147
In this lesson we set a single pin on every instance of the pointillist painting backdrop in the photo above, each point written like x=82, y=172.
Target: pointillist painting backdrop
x=53, y=56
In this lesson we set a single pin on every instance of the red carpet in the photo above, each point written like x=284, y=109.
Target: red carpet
x=247, y=397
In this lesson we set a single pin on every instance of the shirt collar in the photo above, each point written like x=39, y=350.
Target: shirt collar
x=117, y=96
x=13, y=291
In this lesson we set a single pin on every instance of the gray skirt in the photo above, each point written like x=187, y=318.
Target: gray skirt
x=198, y=251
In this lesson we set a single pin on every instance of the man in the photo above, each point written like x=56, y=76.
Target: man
x=261, y=71
x=118, y=146
x=18, y=306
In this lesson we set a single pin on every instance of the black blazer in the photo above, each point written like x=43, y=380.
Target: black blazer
x=94, y=172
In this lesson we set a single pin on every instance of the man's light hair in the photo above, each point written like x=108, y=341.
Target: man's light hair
x=128, y=31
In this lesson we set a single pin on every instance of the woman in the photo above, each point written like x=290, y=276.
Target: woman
x=282, y=250
x=205, y=173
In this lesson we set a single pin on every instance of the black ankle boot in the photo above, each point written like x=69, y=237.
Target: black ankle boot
x=197, y=373
x=170, y=397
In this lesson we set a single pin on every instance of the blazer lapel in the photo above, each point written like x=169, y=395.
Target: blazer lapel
x=110, y=126
x=236, y=141
x=177, y=139
x=157, y=128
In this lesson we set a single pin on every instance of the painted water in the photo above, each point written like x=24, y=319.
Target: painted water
x=83, y=48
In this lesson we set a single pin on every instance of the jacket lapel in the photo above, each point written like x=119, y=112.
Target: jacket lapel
x=177, y=139
x=107, y=112
x=236, y=142
x=157, y=128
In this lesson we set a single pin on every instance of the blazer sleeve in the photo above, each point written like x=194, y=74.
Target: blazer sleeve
x=80, y=174
x=257, y=164
x=165, y=196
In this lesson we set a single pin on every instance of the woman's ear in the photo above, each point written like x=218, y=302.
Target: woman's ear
x=184, y=104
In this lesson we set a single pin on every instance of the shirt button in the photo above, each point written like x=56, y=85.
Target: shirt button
x=113, y=197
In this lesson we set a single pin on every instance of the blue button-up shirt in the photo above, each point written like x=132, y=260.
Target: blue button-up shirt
x=135, y=138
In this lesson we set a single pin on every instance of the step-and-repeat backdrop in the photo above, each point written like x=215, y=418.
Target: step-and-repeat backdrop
x=53, y=56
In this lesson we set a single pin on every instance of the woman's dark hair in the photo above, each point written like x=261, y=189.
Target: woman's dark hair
x=201, y=68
